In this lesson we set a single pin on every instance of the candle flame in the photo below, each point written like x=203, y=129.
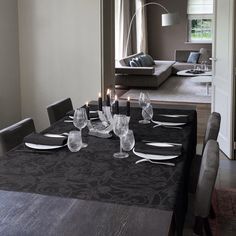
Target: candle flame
x=128, y=98
x=87, y=104
x=108, y=91
x=115, y=97
x=99, y=94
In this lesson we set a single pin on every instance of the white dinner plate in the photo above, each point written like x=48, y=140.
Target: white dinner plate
x=168, y=123
x=156, y=144
x=46, y=147
x=42, y=147
x=173, y=116
x=154, y=157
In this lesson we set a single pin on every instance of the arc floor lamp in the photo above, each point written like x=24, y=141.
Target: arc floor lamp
x=167, y=19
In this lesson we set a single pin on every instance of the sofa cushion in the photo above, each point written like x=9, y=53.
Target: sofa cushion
x=126, y=60
x=146, y=60
x=204, y=56
x=193, y=57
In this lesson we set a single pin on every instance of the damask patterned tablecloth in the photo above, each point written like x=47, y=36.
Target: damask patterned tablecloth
x=93, y=173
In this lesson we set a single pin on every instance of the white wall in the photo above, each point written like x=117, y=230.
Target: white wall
x=60, y=53
x=10, y=110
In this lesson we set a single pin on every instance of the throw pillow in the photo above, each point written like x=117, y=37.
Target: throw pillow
x=203, y=55
x=146, y=60
x=135, y=62
x=193, y=57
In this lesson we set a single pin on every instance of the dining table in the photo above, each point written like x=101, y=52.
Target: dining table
x=89, y=192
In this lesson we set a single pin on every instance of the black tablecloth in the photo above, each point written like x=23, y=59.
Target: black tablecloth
x=93, y=173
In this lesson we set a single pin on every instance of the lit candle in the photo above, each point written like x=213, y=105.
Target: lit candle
x=108, y=103
x=116, y=105
x=128, y=107
x=87, y=110
x=99, y=102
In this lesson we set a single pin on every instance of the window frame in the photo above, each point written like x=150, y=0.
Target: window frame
x=198, y=17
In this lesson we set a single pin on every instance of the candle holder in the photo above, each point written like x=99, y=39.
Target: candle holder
x=103, y=130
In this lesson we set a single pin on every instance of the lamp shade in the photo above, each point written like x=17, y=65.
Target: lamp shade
x=170, y=19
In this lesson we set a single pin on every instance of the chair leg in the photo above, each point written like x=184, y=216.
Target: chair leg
x=212, y=214
x=199, y=225
x=207, y=227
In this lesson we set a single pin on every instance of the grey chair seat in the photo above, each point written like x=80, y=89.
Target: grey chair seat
x=58, y=110
x=13, y=135
x=205, y=186
x=212, y=131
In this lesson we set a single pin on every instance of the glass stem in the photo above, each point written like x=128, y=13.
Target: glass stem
x=120, y=146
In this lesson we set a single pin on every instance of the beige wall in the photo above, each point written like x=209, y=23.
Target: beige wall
x=162, y=41
x=9, y=64
x=60, y=53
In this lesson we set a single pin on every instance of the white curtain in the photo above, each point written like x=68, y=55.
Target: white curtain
x=124, y=10
x=200, y=7
x=141, y=26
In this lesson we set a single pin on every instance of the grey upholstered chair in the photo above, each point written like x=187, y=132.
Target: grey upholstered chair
x=212, y=131
x=58, y=110
x=205, y=186
x=13, y=135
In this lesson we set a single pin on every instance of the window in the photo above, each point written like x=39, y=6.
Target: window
x=200, y=15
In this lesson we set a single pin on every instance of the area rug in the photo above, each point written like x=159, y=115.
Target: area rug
x=224, y=204
x=175, y=89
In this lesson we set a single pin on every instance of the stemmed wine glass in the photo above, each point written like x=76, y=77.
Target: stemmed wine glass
x=147, y=114
x=128, y=141
x=120, y=128
x=144, y=101
x=80, y=121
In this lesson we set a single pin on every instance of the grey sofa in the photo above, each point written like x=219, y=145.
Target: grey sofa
x=181, y=58
x=151, y=77
x=154, y=76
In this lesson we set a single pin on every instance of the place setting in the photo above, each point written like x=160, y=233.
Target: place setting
x=175, y=121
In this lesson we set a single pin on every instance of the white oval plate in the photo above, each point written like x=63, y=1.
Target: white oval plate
x=154, y=157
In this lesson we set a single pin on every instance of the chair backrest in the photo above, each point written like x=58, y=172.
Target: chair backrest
x=207, y=178
x=13, y=135
x=58, y=110
x=213, y=127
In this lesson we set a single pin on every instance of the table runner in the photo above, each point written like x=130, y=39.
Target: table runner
x=93, y=173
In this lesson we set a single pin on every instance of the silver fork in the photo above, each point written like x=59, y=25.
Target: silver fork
x=155, y=162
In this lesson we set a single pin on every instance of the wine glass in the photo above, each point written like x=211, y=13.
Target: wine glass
x=74, y=141
x=144, y=99
x=147, y=114
x=128, y=141
x=120, y=128
x=80, y=121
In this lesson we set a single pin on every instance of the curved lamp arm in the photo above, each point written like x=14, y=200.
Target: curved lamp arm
x=132, y=19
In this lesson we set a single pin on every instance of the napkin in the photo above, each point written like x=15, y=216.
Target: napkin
x=44, y=140
x=166, y=151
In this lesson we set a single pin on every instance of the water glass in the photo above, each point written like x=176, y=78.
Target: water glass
x=128, y=141
x=74, y=141
x=147, y=114
x=80, y=120
x=144, y=99
x=120, y=128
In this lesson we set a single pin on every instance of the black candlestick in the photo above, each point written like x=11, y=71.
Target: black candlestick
x=117, y=107
x=108, y=103
x=128, y=108
x=100, y=103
